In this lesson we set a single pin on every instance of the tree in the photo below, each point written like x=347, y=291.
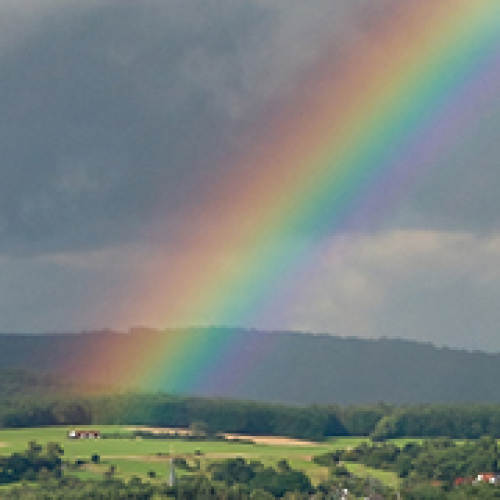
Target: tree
x=199, y=429
x=110, y=472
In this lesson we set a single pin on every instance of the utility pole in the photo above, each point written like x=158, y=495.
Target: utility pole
x=171, y=474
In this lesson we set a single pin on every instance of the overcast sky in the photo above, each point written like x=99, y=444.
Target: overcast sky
x=114, y=115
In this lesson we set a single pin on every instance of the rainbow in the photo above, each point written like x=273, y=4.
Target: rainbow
x=347, y=146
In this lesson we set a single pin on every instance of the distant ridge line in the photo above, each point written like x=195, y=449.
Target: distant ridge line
x=298, y=368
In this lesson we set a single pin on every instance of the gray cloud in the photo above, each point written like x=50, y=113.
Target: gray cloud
x=112, y=108
x=65, y=292
x=107, y=110
x=434, y=286
x=460, y=192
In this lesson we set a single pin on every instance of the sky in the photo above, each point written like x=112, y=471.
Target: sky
x=118, y=119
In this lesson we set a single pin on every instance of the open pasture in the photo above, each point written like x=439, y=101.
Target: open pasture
x=136, y=457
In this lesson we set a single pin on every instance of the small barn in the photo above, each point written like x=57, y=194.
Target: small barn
x=75, y=434
x=487, y=478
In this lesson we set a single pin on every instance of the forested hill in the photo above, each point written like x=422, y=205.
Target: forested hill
x=299, y=368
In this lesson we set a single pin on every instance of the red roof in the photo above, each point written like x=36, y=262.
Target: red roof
x=487, y=476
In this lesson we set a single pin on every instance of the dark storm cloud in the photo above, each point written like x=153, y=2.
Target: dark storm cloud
x=110, y=109
x=107, y=110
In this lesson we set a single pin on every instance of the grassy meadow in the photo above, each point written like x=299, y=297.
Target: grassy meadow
x=137, y=457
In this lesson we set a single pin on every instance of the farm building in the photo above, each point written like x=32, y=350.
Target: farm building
x=74, y=434
x=488, y=478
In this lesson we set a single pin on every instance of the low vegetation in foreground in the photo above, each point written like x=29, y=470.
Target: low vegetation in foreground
x=43, y=463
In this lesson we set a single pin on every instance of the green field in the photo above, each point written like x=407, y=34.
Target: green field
x=136, y=457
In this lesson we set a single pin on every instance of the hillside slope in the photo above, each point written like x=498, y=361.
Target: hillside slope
x=298, y=369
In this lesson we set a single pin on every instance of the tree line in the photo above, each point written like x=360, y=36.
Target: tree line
x=453, y=421
x=380, y=422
